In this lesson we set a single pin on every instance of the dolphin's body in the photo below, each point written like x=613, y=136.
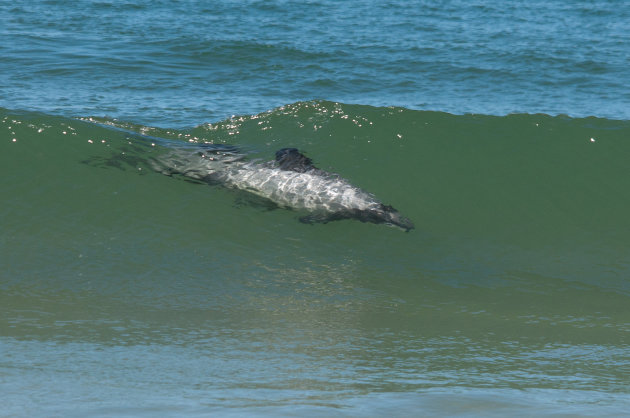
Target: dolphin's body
x=291, y=181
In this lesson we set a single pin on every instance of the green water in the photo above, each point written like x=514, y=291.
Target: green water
x=124, y=291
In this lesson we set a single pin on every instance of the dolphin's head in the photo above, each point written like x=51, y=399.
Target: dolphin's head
x=390, y=216
x=382, y=214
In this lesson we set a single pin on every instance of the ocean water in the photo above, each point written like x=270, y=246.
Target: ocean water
x=501, y=129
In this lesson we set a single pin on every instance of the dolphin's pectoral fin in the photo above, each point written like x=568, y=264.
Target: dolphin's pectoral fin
x=290, y=159
x=250, y=200
x=192, y=180
x=324, y=218
x=384, y=215
x=313, y=219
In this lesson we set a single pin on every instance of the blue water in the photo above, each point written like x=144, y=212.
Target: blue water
x=499, y=128
x=184, y=63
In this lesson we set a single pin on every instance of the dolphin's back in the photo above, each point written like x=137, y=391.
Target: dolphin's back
x=308, y=191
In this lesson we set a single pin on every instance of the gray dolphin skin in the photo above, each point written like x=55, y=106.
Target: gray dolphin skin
x=291, y=181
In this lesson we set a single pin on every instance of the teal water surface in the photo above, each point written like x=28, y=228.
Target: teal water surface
x=125, y=291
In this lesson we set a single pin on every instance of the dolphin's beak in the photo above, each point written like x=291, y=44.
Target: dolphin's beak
x=394, y=218
x=401, y=222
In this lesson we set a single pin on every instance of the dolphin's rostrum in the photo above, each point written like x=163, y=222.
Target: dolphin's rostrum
x=291, y=181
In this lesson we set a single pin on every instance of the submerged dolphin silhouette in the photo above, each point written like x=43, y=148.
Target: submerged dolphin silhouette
x=291, y=181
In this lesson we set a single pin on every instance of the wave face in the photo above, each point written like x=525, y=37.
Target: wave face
x=515, y=278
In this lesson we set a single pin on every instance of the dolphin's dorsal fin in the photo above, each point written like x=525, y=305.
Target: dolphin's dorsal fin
x=290, y=159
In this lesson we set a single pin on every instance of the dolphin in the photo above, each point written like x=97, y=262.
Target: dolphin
x=290, y=181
